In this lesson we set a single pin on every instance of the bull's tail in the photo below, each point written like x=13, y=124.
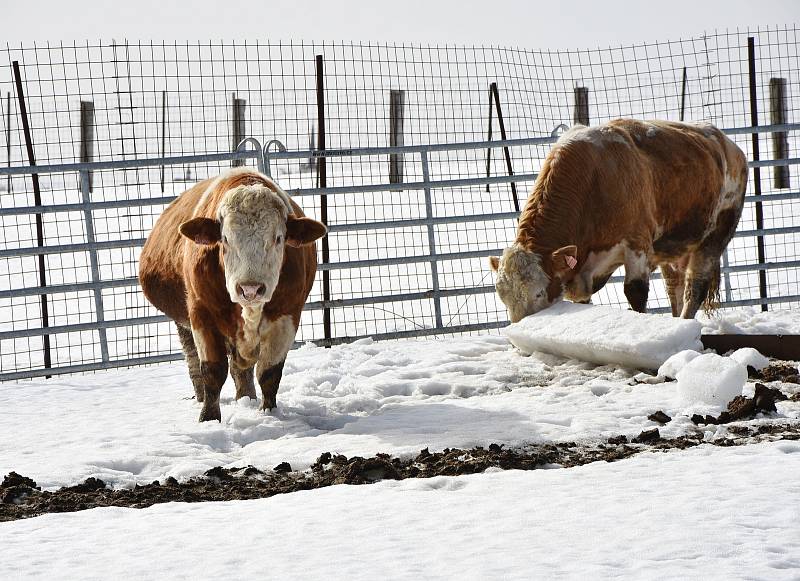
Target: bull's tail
x=712, y=300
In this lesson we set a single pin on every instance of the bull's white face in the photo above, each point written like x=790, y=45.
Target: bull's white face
x=253, y=229
x=253, y=226
x=522, y=284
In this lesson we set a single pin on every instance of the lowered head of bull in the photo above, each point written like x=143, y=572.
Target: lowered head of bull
x=529, y=281
x=253, y=226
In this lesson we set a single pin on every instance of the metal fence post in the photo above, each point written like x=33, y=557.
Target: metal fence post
x=437, y=299
x=780, y=139
x=397, y=102
x=496, y=94
x=95, y=266
x=37, y=199
x=683, y=94
x=762, y=274
x=322, y=174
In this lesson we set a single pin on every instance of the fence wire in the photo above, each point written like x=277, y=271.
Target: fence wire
x=127, y=100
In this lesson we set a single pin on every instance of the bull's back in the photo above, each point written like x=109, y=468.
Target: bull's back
x=670, y=178
x=161, y=261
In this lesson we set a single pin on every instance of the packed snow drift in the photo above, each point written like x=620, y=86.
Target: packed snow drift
x=605, y=335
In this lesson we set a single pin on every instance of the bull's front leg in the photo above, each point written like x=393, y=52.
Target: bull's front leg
x=637, y=280
x=213, y=366
x=276, y=339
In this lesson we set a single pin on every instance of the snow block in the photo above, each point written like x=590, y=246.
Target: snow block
x=749, y=356
x=605, y=335
x=711, y=379
x=674, y=364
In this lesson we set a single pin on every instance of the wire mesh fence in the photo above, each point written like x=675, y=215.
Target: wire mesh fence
x=123, y=101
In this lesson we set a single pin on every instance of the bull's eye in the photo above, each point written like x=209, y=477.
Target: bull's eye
x=278, y=239
x=224, y=239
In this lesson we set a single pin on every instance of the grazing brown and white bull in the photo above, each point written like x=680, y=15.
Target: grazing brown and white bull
x=635, y=193
x=232, y=261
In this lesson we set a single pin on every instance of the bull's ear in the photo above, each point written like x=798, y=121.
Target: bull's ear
x=303, y=231
x=202, y=230
x=565, y=259
x=494, y=262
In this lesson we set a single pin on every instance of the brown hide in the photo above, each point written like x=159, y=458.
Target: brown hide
x=186, y=280
x=658, y=191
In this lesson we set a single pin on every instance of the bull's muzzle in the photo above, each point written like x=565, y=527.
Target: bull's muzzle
x=251, y=291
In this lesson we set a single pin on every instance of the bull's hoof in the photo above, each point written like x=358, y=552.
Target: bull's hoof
x=210, y=413
x=268, y=405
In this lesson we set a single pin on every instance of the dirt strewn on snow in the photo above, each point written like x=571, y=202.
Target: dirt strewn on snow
x=21, y=498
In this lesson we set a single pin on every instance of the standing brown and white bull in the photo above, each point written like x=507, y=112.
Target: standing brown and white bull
x=232, y=261
x=635, y=193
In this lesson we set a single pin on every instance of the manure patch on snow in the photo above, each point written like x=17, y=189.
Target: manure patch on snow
x=20, y=497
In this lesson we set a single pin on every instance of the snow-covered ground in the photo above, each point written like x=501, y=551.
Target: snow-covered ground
x=706, y=513
x=139, y=425
x=709, y=512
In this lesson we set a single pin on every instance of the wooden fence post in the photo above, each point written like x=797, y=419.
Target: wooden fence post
x=87, y=139
x=238, y=127
x=780, y=139
x=580, y=111
x=397, y=101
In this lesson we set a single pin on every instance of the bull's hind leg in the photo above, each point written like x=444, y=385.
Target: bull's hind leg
x=276, y=340
x=702, y=274
x=675, y=281
x=700, y=279
x=192, y=360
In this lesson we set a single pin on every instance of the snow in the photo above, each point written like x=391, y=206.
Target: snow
x=711, y=379
x=749, y=356
x=675, y=363
x=139, y=425
x=605, y=335
x=752, y=321
x=700, y=513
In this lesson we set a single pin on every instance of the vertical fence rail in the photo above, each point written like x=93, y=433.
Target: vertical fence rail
x=163, y=136
x=426, y=180
x=751, y=62
x=37, y=197
x=8, y=136
x=86, y=196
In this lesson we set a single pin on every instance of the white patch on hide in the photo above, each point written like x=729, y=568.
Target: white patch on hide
x=599, y=136
x=596, y=265
x=247, y=344
x=276, y=339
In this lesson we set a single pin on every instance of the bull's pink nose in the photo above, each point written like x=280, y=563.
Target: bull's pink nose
x=251, y=291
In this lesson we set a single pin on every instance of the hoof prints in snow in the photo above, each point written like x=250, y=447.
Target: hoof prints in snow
x=21, y=498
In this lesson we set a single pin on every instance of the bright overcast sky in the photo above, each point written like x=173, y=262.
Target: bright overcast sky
x=521, y=23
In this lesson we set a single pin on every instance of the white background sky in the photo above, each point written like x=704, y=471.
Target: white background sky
x=528, y=24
